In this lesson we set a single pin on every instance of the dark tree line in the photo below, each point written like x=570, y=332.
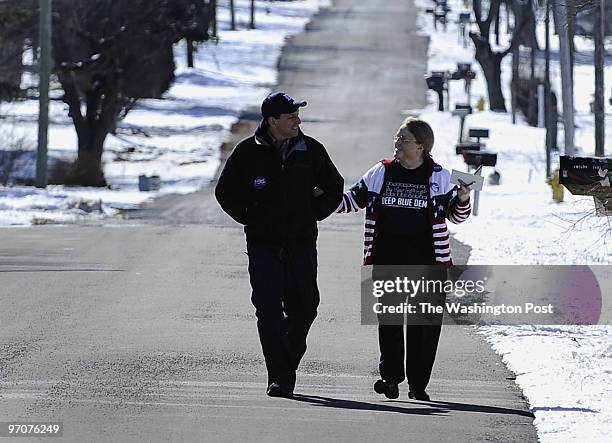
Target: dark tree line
x=107, y=55
x=16, y=25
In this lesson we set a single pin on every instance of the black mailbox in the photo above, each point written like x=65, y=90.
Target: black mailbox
x=583, y=170
x=436, y=82
x=478, y=133
x=467, y=146
x=464, y=67
x=464, y=71
x=480, y=158
x=463, y=106
x=588, y=176
x=464, y=17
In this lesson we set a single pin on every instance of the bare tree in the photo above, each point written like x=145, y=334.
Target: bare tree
x=490, y=61
x=109, y=54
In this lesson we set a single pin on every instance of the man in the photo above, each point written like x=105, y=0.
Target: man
x=279, y=183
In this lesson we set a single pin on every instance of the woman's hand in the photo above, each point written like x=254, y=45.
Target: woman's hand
x=463, y=192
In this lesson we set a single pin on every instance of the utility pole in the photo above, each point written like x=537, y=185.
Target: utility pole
x=598, y=109
x=567, y=89
x=547, y=102
x=45, y=62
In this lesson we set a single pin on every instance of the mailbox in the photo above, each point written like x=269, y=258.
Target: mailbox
x=478, y=133
x=464, y=67
x=588, y=176
x=436, y=82
x=149, y=183
x=464, y=17
x=463, y=106
x=584, y=170
x=480, y=158
x=467, y=146
x=462, y=111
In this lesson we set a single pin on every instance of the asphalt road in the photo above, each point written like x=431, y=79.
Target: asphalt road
x=141, y=329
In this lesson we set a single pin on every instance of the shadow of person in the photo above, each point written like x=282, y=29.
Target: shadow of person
x=387, y=406
x=467, y=407
x=424, y=408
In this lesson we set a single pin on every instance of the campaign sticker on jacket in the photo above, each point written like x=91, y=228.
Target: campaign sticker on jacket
x=260, y=182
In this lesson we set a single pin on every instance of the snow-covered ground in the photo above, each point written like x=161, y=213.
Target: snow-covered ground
x=177, y=138
x=564, y=371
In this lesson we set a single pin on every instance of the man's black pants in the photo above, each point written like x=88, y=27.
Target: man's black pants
x=286, y=297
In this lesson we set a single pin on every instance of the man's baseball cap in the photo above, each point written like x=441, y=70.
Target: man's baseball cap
x=279, y=103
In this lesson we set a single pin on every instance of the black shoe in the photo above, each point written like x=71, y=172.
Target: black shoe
x=418, y=395
x=391, y=390
x=274, y=390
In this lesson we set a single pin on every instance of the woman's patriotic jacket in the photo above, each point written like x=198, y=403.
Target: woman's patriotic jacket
x=442, y=203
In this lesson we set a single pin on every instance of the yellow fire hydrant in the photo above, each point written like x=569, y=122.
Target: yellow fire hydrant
x=480, y=104
x=557, y=188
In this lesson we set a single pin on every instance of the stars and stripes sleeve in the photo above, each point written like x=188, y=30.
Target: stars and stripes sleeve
x=364, y=191
x=459, y=211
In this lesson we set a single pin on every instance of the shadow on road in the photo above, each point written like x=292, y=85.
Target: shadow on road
x=359, y=405
x=432, y=408
x=480, y=408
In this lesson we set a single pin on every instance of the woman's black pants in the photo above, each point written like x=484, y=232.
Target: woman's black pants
x=409, y=351
x=421, y=343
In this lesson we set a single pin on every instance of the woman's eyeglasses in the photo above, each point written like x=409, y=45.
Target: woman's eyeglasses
x=402, y=139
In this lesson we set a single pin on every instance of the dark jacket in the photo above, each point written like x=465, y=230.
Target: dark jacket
x=272, y=196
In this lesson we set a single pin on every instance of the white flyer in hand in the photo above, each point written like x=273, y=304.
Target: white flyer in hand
x=472, y=181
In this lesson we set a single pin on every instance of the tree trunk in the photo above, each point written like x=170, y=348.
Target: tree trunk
x=524, y=23
x=252, y=23
x=91, y=128
x=567, y=92
x=189, y=52
x=491, y=67
x=213, y=6
x=11, y=69
x=232, y=15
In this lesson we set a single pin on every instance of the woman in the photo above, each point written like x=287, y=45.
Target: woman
x=407, y=200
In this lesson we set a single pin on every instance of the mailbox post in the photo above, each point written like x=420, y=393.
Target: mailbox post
x=479, y=159
x=462, y=111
